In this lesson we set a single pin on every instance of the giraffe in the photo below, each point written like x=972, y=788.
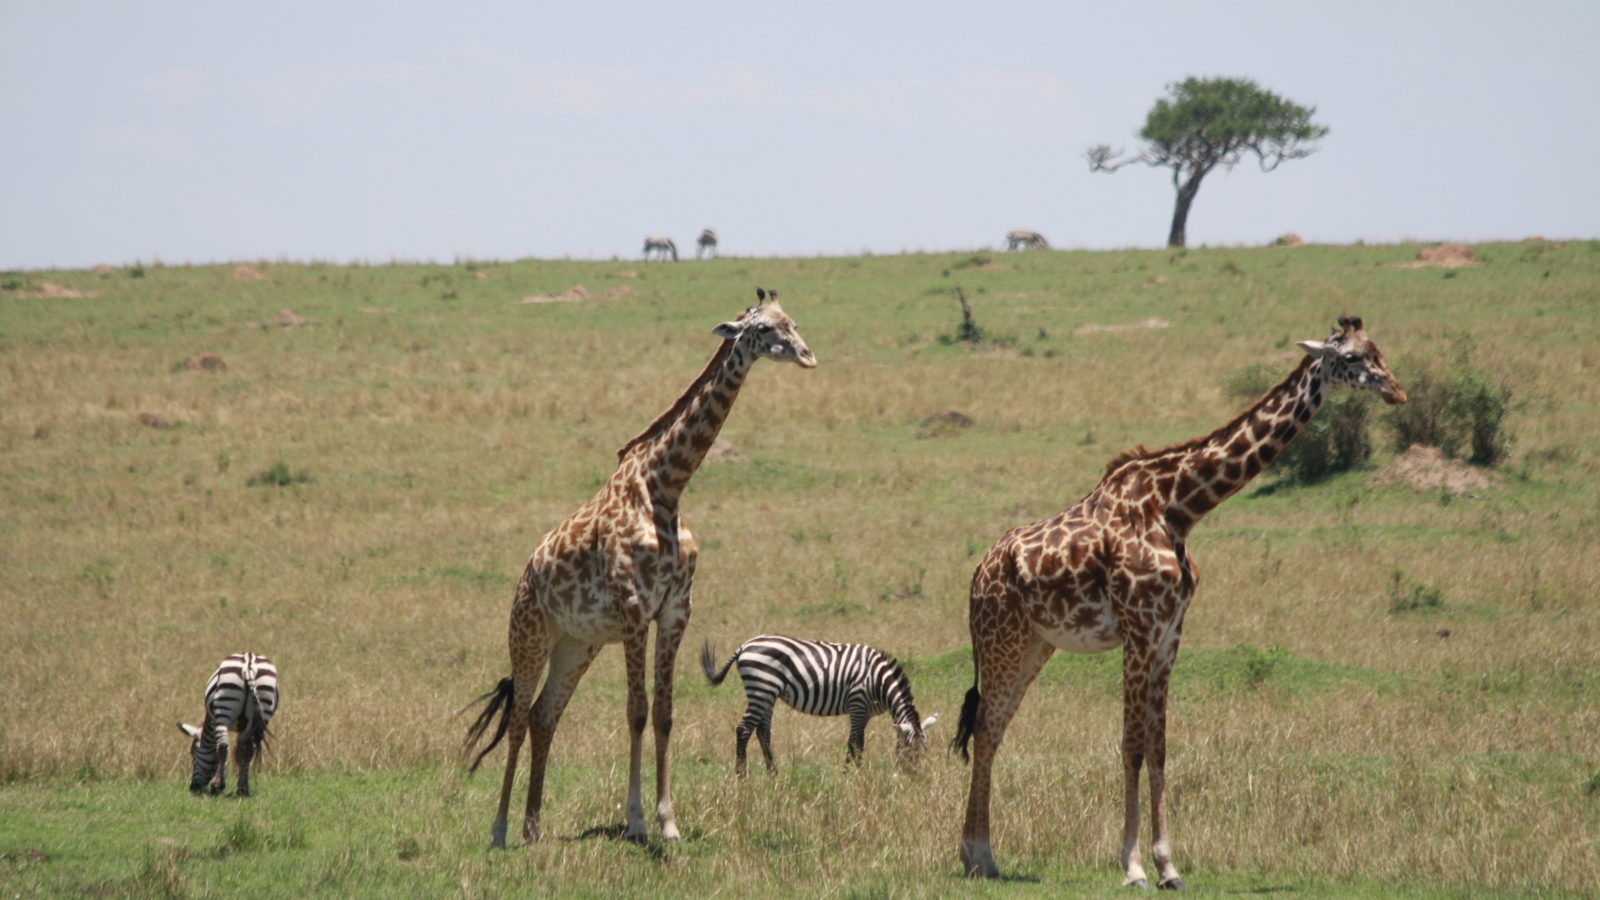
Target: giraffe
x=623, y=560
x=1113, y=571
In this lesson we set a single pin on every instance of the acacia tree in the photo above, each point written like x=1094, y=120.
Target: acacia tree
x=1210, y=122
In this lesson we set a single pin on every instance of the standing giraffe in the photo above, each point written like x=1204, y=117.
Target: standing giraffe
x=706, y=244
x=622, y=561
x=1113, y=571
x=661, y=247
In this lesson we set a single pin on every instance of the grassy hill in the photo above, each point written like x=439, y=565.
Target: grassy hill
x=1382, y=689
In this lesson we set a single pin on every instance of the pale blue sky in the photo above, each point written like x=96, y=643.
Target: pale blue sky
x=207, y=132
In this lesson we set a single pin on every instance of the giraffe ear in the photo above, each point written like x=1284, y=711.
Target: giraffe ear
x=728, y=331
x=1314, y=348
x=190, y=730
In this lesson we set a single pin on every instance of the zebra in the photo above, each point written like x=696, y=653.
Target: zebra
x=1026, y=240
x=241, y=696
x=660, y=246
x=706, y=244
x=820, y=678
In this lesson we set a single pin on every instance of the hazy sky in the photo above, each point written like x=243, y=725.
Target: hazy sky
x=343, y=131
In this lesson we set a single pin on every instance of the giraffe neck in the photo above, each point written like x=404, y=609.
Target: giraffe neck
x=1211, y=469
x=674, y=445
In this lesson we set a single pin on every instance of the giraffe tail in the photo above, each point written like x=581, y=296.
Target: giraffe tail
x=708, y=664
x=500, y=700
x=969, y=721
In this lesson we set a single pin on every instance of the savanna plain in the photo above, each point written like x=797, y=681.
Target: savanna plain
x=1384, y=689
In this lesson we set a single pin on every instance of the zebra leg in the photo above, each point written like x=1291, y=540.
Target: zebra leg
x=857, y=704
x=219, y=778
x=633, y=648
x=764, y=735
x=242, y=755
x=569, y=659
x=741, y=739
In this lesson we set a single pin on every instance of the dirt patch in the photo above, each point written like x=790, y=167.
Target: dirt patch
x=1157, y=281
x=722, y=451
x=286, y=318
x=945, y=422
x=573, y=294
x=621, y=290
x=102, y=269
x=627, y=273
x=1152, y=322
x=377, y=310
x=153, y=420
x=1289, y=240
x=205, y=362
x=248, y=273
x=1444, y=256
x=1428, y=469
x=49, y=290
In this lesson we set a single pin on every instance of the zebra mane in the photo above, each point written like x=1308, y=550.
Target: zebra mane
x=665, y=420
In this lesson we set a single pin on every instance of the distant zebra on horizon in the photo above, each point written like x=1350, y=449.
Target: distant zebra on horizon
x=706, y=244
x=241, y=696
x=660, y=246
x=1026, y=240
x=820, y=678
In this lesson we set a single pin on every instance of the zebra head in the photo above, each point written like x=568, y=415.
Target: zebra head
x=766, y=332
x=914, y=737
x=205, y=758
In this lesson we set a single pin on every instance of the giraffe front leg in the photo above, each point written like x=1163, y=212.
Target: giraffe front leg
x=638, y=713
x=669, y=632
x=1147, y=668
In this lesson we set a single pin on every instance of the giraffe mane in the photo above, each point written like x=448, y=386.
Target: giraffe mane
x=664, y=421
x=1140, y=452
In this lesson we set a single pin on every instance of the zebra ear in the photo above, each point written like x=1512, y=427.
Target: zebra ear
x=190, y=730
x=929, y=721
x=906, y=727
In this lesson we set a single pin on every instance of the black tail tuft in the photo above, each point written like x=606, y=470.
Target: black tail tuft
x=969, y=720
x=500, y=697
x=708, y=664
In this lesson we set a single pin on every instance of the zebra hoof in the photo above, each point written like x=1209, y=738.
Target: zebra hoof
x=1141, y=884
x=1171, y=884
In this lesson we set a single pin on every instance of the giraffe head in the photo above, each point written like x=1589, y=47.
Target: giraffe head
x=1350, y=357
x=204, y=770
x=765, y=331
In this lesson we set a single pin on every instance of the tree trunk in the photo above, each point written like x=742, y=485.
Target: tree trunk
x=1180, y=210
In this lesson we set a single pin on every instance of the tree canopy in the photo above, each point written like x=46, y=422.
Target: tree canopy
x=1208, y=122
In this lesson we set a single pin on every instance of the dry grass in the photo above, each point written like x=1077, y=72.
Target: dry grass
x=443, y=438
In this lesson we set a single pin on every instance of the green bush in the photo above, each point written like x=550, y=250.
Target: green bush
x=1462, y=412
x=278, y=476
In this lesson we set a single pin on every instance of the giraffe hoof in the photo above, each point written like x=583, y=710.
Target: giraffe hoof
x=1171, y=884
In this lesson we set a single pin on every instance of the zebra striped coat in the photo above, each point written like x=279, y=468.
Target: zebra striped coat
x=241, y=696
x=820, y=678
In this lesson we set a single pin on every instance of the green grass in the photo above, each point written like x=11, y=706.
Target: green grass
x=1381, y=691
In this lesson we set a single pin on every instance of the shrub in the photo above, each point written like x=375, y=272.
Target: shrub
x=278, y=476
x=1462, y=413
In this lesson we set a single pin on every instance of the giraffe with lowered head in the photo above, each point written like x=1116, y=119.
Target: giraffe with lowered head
x=1113, y=571
x=623, y=560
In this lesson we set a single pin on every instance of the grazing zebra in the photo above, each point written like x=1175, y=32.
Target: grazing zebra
x=241, y=696
x=660, y=246
x=706, y=244
x=1026, y=240
x=823, y=679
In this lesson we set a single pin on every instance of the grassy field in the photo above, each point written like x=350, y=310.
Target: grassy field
x=428, y=426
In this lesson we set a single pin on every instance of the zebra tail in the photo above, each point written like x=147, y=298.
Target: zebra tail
x=500, y=700
x=258, y=722
x=708, y=663
x=969, y=721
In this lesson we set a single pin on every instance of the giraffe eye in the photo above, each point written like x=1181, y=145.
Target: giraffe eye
x=764, y=329
x=1347, y=356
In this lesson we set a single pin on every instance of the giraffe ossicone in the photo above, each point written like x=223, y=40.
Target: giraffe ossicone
x=622, y=561
x=1114, y=571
